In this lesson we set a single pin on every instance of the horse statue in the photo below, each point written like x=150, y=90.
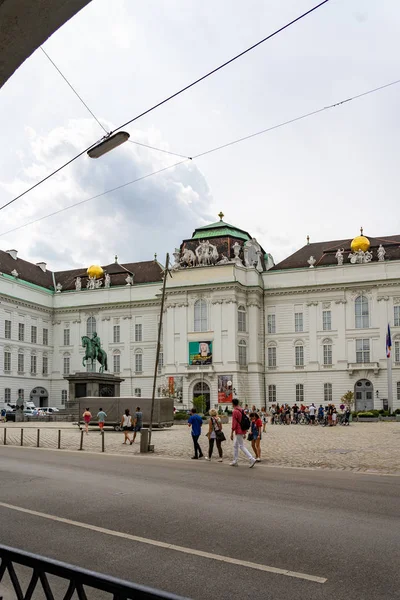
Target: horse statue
x=94, y=352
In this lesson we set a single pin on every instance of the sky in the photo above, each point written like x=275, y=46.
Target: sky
x=324, y=176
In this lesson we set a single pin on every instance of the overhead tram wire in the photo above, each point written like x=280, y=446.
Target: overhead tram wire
x=210, y=151
x=184, y=89
x=94, y=116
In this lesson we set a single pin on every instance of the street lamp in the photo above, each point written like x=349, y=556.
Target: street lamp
x=108, y=144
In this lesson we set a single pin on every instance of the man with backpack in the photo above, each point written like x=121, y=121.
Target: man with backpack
x=240, y=426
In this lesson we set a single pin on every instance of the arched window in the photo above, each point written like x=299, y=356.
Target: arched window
x=241, y=318
x=200, y=315
x=90, y=326
x=327, y=351
x=362, y=312
x=272, y=355
x=242, y=353
x=299, y=354
x=138, y=361
x=327, y=393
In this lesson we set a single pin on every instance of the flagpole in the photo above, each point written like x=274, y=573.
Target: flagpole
x=390, y=382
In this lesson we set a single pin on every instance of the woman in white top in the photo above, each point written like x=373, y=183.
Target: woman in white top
x=126, y=424
x=215, y=435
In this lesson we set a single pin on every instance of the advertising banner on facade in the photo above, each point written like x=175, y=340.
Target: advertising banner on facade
x=200, y=353
x=225, y=392
x=175, y=387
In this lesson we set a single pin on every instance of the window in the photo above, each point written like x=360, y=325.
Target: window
x=45, y=366
x=7, y=361
x=66, y=337
x=200, y=315
x=241, y=318
x=33, y=334
x=7, y=330
x=362, y=312
x=117, y=363
x=397, y=352
x=298, y=321
x=242, y=353
x=271, y=324
x=396, y=317
x=20, y=362
x=7, y=395
x=33, y=364
x=64, y=396
x=327, y=392
x=139, y=362
x=326, y=320
x=90, y=326
x=362, y=351
x=138, y=332
x=398, y=390
x=327, y=348
x=272, y=394
x=272, y=356
x=138, y=392
x=299, y=393
x=45, y=337
x=299, y=356
x=21, y=332
x=116, y=334
x=66, y=365
x=160, y=362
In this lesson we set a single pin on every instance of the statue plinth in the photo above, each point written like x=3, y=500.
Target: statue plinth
x=93, y=384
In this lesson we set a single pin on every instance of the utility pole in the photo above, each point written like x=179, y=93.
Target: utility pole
x=166, y=272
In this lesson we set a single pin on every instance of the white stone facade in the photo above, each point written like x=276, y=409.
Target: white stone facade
x=295, y=338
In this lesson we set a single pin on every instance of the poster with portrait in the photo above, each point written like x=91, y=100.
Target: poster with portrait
x=200, y=353
x=225, y=389
x=175, y=388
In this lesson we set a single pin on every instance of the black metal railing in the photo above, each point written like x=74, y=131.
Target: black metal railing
x=80, y=581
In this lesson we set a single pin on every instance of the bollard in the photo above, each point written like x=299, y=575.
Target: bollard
x=59, y=439
x=102, y=441
x=22, y=437
x=81, y=446
x=144, y=440
x=5, y=436
x=38, y=438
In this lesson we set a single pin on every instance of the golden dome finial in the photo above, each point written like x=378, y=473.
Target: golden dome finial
x=221, y=215
x=95, y=271
x=360, y=242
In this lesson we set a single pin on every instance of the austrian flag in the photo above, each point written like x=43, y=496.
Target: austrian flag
x=388, y=342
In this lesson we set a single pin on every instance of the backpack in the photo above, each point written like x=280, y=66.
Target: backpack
x=244, y=421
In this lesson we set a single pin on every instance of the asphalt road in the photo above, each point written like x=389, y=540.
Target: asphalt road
x=339, y=526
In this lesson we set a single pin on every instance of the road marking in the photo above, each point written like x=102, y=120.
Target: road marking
x=150, y=542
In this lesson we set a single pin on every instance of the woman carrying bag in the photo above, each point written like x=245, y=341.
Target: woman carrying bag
x=255, y=436
x=215, y=434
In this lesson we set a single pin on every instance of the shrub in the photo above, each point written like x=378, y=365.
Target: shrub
x=397, y=411
x=354, y=414
x=374, y=412
x=180, y=416
x=365, y=415
x=200, y=404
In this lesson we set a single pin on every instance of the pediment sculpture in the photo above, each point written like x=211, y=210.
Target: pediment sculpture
x=252, y=254
x=206, y=253
x=359, y=257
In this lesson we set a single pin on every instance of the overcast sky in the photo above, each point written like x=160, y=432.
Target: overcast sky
x=324, y=176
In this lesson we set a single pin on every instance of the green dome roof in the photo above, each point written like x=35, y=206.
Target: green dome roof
x=220, y=229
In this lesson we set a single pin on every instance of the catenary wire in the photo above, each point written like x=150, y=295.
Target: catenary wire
x=94, y=116
x=215, y=149
x=171, y=97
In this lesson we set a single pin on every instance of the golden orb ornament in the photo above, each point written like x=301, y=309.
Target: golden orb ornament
x=360, y=243
x=95, y=271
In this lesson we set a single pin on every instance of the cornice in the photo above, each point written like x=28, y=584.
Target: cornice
x=91, y=310
x=25, y=303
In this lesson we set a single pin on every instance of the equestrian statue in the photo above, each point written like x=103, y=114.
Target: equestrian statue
x=94, y=352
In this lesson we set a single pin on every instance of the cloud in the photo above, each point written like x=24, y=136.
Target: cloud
x=152, y=215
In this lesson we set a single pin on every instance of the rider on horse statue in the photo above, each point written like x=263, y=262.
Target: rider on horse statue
x=94, y=351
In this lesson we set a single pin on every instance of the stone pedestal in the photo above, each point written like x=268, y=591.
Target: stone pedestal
x=86, y=384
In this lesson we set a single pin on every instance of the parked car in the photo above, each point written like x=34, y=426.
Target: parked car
x=48, y=410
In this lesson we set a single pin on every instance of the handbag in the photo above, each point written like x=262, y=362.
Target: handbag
x=220, y=436
x=250, y=437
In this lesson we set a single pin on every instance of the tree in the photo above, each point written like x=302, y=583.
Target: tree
x=348, y=398
x=200, y=404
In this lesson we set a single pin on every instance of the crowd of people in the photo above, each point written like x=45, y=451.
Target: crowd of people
x=129, y=423
x=328, y=415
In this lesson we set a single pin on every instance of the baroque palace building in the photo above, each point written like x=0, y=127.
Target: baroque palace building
x=305, y=330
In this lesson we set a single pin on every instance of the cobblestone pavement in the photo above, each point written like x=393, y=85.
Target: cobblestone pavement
x=364, y=447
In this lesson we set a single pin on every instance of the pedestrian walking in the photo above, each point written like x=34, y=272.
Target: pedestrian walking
x=240, y=426
x=215, y=435
x=101, y=417
x=138, y=423
x=87, y=415
x=255, y=435
x=126, y=424
x=195, y=422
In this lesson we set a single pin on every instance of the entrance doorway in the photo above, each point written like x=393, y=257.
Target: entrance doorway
x=203, y=389
x=364, y=395
x=39, y=396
